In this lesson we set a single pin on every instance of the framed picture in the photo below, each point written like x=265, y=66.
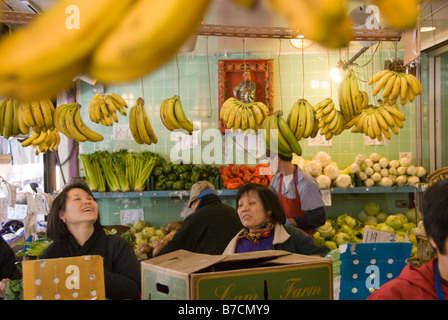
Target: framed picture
x=247, y=80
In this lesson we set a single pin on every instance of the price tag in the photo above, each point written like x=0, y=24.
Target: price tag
x=326, y=197
x=131, y=216
x=376, y=236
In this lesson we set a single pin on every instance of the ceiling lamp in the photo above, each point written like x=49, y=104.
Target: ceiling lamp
x=426, y=29
x=301, y=42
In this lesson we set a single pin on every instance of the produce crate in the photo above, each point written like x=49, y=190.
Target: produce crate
x=272, y=274
x=367, y=266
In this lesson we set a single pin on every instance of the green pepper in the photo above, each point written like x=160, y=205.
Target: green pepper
x=162, y=178
x=196, y=169
x=188, y=185
x=160, y=186
x=178, y=185
x=171, y=176
x=167, y=167
x=185, y=176
x=157, y=171
x=169, y=184
x=195, y=176
x=181, y=168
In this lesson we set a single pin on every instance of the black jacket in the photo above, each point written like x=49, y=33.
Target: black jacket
x=207, y=230
x=8, y=269
x=121, y=267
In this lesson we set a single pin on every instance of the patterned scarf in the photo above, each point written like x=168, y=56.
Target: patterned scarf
x=264, y=231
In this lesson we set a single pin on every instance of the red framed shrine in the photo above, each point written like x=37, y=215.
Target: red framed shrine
x=231, y=73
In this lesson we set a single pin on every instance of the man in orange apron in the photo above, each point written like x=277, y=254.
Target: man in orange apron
x=299, y=194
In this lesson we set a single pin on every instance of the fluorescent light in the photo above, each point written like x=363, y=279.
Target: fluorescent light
x=426, y=29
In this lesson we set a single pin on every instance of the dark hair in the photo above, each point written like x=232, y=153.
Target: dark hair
x=56, y=228
x=435, y=213
x=268, y=198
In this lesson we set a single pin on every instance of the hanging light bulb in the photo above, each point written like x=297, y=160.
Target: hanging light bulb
x=300, y=42
x=335, y=75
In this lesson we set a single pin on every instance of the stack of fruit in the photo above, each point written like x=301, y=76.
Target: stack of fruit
x=241, y=116
x=234, y=177
x=173, y=116
x=140, y=125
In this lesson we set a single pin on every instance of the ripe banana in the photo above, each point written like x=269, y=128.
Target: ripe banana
x=376, y=121
x=330, y=121
x=103, y=109
x=351, y=99
x=34, y=64
x=173, y=116
x=396, y=85
x=144, y=38
x=43, y=141
x=288, y=135
x=399, y=14
x=141, y=128
x=246, y=117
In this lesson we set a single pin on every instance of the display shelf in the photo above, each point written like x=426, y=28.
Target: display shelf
x=225, y=192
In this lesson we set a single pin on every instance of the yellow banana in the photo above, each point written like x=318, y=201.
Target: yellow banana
x=104, y=110
x=2, y=114
x=163, y=113
x=360, y=122
x=258, y=114
x=276, y=137
x=91, y=135
x=28, y=59
x=133, y=124
x=232, y=116
x=244, y=119
x=119, y=99
x=128, y=52
x=47, y=111
x=329, y=117
x=386, y=133
x=387, y=117
x=333, y=124
x=170, y=115
x=364, y=99
x=69, y=120
x=375, y=126
x=394, y=129
x=152, y=135
x=348, y=94
x=309, y=120
x=414, y=84
x=7, y=126
x=225, y=106
x=264, y=108
x=355, y=93
x=237, y=124
x=382, y=82
x=403, y=89
x=315, y=129
x=140, y=120
x=396, y=87
x=37, y=114
x=388, y=87
x=395, y=112
x=378, y=75
x=24, y=128
x=251, y=119
x=15, y=117
x=28, y=141
x=111, y=107
x=380, y=120
x=61, y=124
x=92, y=108
x=288, y=135
x=302, y=120
x=41, y=138
x=329, y=108
x=293, y=117
x=322, y=104
x=182, y=118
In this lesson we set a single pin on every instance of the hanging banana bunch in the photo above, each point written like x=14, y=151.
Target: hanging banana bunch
x=301, y=120
x=103, y=109
x=395, y=85
x=241, y=116
x=331, y=122
x=173, y=116
x=141, y=128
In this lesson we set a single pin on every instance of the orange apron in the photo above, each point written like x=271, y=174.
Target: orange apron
x=292, y=207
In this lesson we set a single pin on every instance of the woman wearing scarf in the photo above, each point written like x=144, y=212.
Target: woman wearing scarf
x=263, y=219
x=74, y=226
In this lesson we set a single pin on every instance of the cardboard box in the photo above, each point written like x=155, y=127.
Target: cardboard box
x=271, y=274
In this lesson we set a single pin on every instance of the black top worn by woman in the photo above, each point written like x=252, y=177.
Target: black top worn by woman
x=121, y=267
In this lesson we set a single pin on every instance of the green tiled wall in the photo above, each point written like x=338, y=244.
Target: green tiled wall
x=199, y=95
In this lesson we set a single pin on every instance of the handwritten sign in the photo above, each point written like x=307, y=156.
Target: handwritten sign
x=376, y=236
x=75, y=278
